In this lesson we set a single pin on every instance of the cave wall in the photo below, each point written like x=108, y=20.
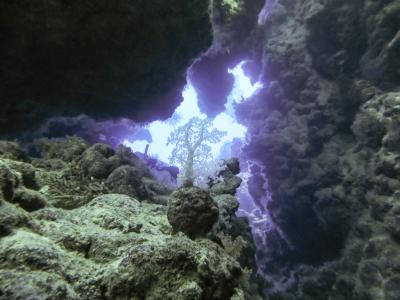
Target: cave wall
x=232, y=23
x=101, y=58
x=326, y=125
x=326, y=128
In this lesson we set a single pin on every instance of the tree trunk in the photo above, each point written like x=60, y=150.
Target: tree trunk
x=188, y=179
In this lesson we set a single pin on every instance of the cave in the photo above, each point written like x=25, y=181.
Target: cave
x=220, y=149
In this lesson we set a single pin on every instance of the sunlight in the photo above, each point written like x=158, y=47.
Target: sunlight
x=189, y=108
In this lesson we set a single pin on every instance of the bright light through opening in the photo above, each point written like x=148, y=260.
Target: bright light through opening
x=160, y=130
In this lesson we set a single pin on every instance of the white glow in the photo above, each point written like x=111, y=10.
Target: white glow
x=266, y=11
x=160, y=130
x=243, y=88
x=189, y=107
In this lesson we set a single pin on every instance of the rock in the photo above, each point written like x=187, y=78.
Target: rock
x=105, y=51
x=227, y=204
x=392, y=288
x=127, y=180
x=124, y=156
x=192, y=211
x=33, y=285
x=101, y=211
x=113, y=247
x=8, y=181
x=226, y=181
x=392, y=222
x=324, y=133
x=30, y=251
x=67, y=149
x=12, y=217
x=100, y=160
x=177, y=257
x=153, y=187
x=229, y=185
x=369, y=128
x=95, y=163
x=12, y=150
x=233, y=165
x=29, y=200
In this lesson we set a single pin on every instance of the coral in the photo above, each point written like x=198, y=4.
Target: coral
x=191, y=146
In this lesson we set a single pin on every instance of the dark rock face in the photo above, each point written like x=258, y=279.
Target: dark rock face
x=326, y=129
x=226, y=181
x=126, y=180
x=29, y=200
x=95, y=57
x=232, y=22
x=192, y=211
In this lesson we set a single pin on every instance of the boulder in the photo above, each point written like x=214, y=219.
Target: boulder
x=95, y=163
x=30, y=200
x=127, y=180
x=12, y=150
x=67, y=149
x=226, y=181
x=8, y=182
x=192, y=211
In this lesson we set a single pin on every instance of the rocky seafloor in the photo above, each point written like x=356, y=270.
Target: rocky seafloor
x=90, y=222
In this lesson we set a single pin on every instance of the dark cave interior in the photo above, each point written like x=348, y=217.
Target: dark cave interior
x=316, y=134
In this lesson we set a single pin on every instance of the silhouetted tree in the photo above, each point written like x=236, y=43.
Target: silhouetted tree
x=191, y=146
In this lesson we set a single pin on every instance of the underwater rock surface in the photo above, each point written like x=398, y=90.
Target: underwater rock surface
x=326, y=128
x=192, y=211
x=105, y=59
x=78, y=240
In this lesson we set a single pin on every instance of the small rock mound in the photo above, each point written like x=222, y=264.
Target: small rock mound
x=30, y=200
x=67, y=149
x=227, y=182
x=192, y=211
x=12, y=150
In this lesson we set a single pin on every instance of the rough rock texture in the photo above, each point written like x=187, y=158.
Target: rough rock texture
x=232, y=21
x=226, y=181
x=110, y=247
x=87, y=171
x=234, y=232
x=192, y=211
x=326, y=128
x=96, y=57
